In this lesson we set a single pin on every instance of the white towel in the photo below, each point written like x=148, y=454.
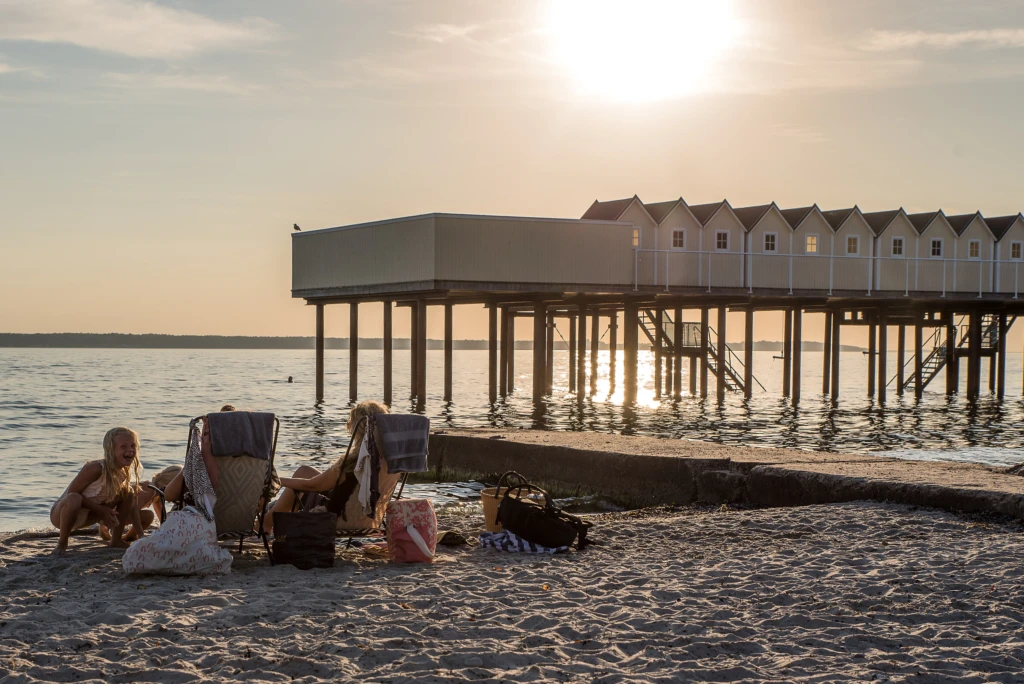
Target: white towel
x=363, y=473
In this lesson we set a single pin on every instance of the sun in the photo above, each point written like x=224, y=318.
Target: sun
x=641, y=49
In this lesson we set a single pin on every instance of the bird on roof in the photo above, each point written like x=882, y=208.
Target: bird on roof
x=295, y=226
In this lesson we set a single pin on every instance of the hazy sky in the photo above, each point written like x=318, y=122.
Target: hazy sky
x=155, y=154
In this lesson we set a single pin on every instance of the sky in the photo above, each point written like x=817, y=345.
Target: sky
x=156, y=154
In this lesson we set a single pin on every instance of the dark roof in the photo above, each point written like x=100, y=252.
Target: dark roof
x=880, y=220
x=659, y=210
x=961, y=221
x=794, y=217
x=837, y=217
x=923, y=220
x=1000, y=224
x=749, y=216
x=607, y=211
x=704, y=212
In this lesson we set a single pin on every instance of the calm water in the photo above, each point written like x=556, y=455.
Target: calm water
x=56, y=404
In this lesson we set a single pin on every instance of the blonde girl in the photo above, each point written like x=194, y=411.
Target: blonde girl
x=309, y=479
x=104, y=492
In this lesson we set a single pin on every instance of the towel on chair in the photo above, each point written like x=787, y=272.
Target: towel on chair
x=404, y=441
x=233, y=433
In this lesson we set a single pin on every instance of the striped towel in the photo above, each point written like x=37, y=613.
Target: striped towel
x=506, y=541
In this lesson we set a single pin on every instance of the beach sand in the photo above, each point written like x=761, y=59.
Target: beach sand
x=851, y=592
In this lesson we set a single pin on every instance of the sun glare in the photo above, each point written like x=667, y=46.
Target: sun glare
x=641, y=49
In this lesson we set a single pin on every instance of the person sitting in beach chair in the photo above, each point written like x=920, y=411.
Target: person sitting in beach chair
x=104, y=492
x=357, y=487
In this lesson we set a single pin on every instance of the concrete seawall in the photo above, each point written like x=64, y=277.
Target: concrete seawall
x=642, y=471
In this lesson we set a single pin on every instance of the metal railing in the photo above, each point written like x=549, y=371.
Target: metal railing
x=712, y=270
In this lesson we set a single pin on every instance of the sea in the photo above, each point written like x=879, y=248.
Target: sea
x=56, y=405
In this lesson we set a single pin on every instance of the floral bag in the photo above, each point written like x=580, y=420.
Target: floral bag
x=185, y=544
x=411, y=531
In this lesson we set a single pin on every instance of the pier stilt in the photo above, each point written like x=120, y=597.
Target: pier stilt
x=581, y=353
x=992, y=372
x=511, y=352
x=613, y=348
x=826, y=363
x=630, y=349
x=572, y=353
x=540, y=347
x=883, y=349
x=319, y=352
x=414, y=355
x=353, y=352
x=872, y=355
x=659, y=333
x=721, y=357
x=798, y=341
x=669, y=365
x=492, y=353
x=901, y=354
x=837, y=328
x=748, y=353
x=952, y=363
x=549, y=360
x=1001, y=370
x=918, y=359
x=677, y=370
x=389, y=346
x=421, y=353
x=787, y=352
x=595, y=347
x=503, y=353
x=974, y=356
x=704, y=353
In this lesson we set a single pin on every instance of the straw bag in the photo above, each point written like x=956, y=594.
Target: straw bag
x=542, y=524
x=490, y=498
x=305, y=540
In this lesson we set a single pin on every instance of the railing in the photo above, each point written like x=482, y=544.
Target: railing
x=712, y=270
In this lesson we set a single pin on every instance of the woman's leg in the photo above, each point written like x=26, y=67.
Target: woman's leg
x=64, y=516
x=124, y=513
x=286, y=501
x=147, y=519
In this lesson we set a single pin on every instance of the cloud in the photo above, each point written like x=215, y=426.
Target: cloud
x=136, y=28
x=439, y=33
x=196, y=82
x=888, y=41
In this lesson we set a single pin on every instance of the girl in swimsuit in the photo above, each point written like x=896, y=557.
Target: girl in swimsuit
x=104, y=491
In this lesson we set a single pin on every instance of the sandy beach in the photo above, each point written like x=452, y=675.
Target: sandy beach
x=843, y=592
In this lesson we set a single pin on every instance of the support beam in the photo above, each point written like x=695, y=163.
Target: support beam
x=826, y=363
x=748, y=353
x=414, y=355
x=503, y=353
x=837, y=328
x=1001, y=370
x=581, y=353
x=389, y=347
x=492, y=353
x=992, y=372
x=974, y=356
x=669, y=365
x=540, y=346
x=918, y=351
x=549, y=360
x=659, y=328
x=511, y=352
x=787, y=353
x=872, y=355
x=677, y=369
x=421, y=353
x=901, y=358
x=630, y=348
x=572, y=353
x=798, y=341
x=704, y=353
x=353, y=352
x=693, y=376
x=952, y=363
x=721, y=357
x=595, y=347
x=613, y=348
x=883, y=349
x=319, y=353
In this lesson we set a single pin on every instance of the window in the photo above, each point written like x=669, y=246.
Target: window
x=678, y=239
x=1015, y=249
x=853, y=245
x=636, y=237
x=722, y=240
x=769, y=242
x=811, y=246
x=936, y=249
x=897, y=246
x=974, y=249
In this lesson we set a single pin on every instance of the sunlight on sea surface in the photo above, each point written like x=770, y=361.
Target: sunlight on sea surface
x=56, y=404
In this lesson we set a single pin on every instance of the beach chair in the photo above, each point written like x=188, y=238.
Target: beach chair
x=245, y=482
x=402, y=441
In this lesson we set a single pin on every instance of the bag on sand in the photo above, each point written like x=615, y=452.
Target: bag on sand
x=411, y=531
x=521, y=513
x=185, y=544
x=305, y=540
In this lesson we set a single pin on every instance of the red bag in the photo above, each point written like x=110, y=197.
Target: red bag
x=411, y=531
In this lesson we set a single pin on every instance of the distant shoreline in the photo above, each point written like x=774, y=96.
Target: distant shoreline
x=151, y=341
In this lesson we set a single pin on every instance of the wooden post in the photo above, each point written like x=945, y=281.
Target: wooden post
x=952, y=363
x=748, y=353
x=503, y=353
x=511, y=352
x=721, y=360
x=388, y=353
x=826, y=364
x=353, y=352
x=319, y=352
x=703, y=352
x=581, y=353
x=659, y=331
x=872, y=352
x=421, y=353
x=669, y=365
x=918, y=350
x=901, y=357
x=787, y=353
x=677, y=378
x=595, y=347
x=414, y=355
x=449, y=346
x=631, y=348
x=572, y=353
x=540, y=346
x=883, y=348
x=549, y=360
x=974, y=357
x=492, y=354
x=837, y=328
x=613, y=347
x=798, y=341
x=1001, y=370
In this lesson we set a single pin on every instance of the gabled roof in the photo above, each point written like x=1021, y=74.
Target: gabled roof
x=961, y=221
x=923, y=220
x=880, y=220
x=659, y=211
x=837, y=217
x=1000, y=224
x=608, y=211
x=794, y=217
x=751, y=216
x=705, y=212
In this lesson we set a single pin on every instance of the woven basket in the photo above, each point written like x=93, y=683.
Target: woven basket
x=490, y=498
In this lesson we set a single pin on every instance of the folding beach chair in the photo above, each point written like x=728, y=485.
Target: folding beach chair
x=245, y=484
x=402, y=442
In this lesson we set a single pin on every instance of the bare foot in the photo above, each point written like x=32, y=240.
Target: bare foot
x=59, y=551
x=119, y=544
x=105, y=533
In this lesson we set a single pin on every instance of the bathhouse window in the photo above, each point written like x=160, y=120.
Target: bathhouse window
x=722, y=240
x=897, y=246
x=769, y=242
x=853, y=245
x=1015, y=251
x=936, y=249
x=678, y=239
x=636, y=237
x=974, y=249
x=811, y=246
